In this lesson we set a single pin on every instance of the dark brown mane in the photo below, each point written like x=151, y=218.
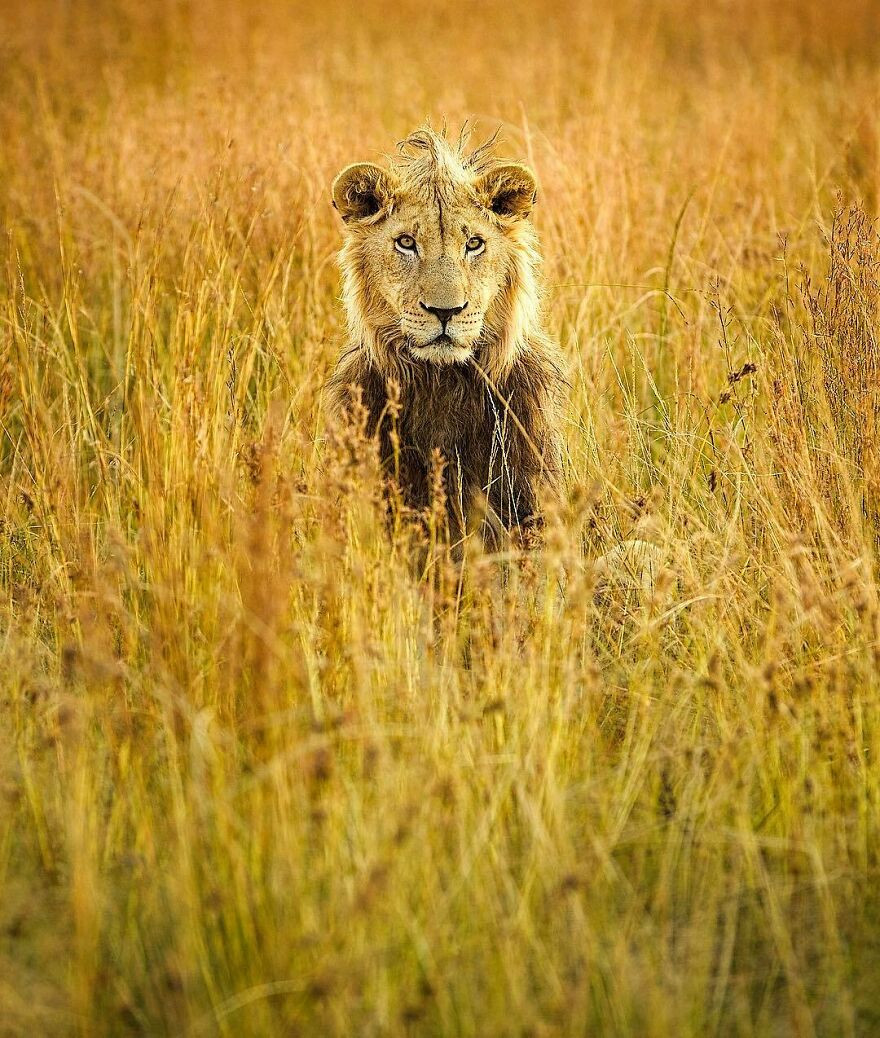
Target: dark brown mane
x=499, y=442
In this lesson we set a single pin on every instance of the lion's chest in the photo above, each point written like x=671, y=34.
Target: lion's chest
x=452, y=416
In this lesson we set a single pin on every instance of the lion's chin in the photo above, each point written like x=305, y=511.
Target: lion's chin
x=442, y=350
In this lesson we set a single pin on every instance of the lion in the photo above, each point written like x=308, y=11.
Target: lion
x=446, y=353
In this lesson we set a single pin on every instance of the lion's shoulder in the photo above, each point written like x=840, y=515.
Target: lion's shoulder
x=355, y=380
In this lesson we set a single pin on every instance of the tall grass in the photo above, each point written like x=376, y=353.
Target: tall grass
x=260, y=774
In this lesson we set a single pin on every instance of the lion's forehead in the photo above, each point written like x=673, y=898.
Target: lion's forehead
x=434, y=219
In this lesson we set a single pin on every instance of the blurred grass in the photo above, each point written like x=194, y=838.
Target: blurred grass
x=256, y=776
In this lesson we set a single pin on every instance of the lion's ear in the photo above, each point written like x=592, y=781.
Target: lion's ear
x=362, y=190
x=509, y=191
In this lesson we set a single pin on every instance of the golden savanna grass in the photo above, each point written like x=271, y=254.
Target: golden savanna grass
x=268, y=767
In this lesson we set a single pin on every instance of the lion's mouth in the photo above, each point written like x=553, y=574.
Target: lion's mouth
x=442, y=349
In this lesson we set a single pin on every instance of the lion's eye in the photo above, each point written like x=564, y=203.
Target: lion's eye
x=475, y=245
x=405, y=243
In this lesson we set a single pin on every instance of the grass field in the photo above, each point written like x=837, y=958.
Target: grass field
x=259, y=774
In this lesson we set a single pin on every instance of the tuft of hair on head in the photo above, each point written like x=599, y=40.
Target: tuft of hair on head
x=482, y=158
x=431, y=155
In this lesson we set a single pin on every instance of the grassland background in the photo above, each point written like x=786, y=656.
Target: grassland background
x=258, y=775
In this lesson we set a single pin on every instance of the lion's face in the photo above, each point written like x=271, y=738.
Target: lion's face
x=431, y=257
x=437, y=267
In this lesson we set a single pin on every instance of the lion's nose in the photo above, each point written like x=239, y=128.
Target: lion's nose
x=444, y=313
